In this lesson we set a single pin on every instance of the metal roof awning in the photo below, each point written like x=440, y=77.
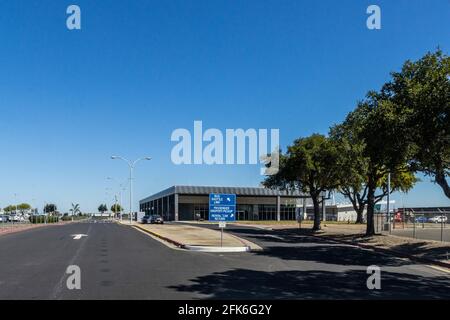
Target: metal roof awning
x=239, y=191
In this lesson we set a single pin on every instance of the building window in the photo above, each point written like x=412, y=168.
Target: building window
x=201, y=211
x=287, y=212
x=267, y=212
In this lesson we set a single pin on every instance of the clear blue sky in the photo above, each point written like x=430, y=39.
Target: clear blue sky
x=139, y=69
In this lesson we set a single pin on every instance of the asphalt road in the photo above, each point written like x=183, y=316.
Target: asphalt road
x=119, y=262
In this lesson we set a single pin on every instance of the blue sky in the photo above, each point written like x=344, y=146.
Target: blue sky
x=137, y=70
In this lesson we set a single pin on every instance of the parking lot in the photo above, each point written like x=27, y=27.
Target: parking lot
x=425, y=233
x=4, y=224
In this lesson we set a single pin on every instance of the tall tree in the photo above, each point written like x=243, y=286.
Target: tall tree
x=102, y=208
x=50, y=208
x=421, y=91
x=75, y=209
x=10, y=208
x=353, y=166
x=23, y=207
x=309, y=166
x=377, y=126
x=116, y=208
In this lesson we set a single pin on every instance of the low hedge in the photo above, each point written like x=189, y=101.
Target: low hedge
x=75, y=218
x=43, y=219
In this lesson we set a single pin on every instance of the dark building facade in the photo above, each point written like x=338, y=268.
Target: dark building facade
x=252, y=203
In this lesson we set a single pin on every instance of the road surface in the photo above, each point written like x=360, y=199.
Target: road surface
x=119, y=262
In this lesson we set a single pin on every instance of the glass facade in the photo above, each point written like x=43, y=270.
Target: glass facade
x=267, y=212
x=196, y=207
x=287, y=212
x=201, y=212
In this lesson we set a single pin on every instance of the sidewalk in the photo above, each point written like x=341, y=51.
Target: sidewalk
x=185, y=236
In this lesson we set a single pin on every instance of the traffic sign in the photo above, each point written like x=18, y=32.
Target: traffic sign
x=222, y=207
x=222, y=199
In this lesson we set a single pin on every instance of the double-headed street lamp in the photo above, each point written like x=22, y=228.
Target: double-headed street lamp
x=131, y=165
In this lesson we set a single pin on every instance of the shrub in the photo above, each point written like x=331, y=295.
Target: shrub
x=43, y=219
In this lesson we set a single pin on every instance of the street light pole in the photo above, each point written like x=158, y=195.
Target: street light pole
x=388, y=200
x=131, y=165
x=131, y=192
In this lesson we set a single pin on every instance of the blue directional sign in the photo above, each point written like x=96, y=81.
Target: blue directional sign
x=222, y=207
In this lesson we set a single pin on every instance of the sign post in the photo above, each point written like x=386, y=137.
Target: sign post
x=299, y=213
x=222, y=225
x=222, y=208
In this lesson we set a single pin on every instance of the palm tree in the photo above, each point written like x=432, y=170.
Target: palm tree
x=75, y=210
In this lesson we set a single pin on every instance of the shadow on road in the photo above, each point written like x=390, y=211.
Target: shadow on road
x=307, y=248
x=250, y=284
x=333, y=254
x=422, y=249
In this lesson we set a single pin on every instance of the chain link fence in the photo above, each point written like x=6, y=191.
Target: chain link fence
x=417, y=224
x=9, y=222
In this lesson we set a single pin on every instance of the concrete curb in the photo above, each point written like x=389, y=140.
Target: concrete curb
x=392, y=252
x=252, y=226
x=247, y=243
x=245, y=248
x=176, y=243
x=216, y=249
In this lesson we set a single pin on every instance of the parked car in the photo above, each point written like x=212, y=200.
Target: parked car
x=153, y=219
x=439, y=219
x=4, y=218
x=17, y=218
x=421, y=219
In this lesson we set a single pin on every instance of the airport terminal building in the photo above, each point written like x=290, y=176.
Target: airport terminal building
x=252, y=203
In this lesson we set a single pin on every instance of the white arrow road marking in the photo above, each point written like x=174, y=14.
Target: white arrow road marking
x=78, y=236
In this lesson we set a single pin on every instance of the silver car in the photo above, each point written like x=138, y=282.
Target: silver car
x=439, y=219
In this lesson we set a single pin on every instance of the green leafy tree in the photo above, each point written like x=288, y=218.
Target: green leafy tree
x=9, y=209
x=377, y=126
x=354, y=165
x=23, y=207
x=116, y=208
x=102, y=208
x=309, y=166
x=421, y=91
x=50, y=208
